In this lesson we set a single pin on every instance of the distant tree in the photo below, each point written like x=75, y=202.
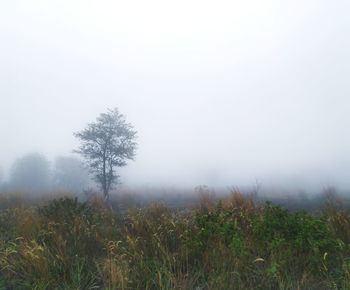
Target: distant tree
x=1, y=175
x=2, y=184
x=106, y=144
x=30, y=173
x=69, y=174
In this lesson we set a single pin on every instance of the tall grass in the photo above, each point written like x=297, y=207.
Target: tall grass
x=232, y=243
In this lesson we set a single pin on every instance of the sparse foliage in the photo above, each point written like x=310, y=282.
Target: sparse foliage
x=106, y=144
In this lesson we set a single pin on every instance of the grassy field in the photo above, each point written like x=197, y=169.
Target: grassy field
x=227, y=243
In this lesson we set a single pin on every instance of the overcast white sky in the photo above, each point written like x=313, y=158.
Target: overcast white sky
x=221, y=92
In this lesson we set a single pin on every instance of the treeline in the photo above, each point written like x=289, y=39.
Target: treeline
x=34, y=173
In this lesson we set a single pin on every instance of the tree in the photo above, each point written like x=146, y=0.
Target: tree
x=31, y=173
x=2, y=183
x=106, y=144
x=69, y=174
x=1, y=175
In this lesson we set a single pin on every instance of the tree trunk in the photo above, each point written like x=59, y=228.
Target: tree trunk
x=104, y=181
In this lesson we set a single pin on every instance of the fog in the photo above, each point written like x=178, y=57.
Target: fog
x=221, y=92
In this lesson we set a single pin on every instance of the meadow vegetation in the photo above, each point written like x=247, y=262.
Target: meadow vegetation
x=231, y=243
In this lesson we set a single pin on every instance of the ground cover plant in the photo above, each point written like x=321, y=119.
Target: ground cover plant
x=229, y=243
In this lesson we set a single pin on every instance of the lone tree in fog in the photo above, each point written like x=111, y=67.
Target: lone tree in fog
x=106, y=144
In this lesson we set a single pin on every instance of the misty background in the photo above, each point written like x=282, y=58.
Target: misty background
x=221, y=92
